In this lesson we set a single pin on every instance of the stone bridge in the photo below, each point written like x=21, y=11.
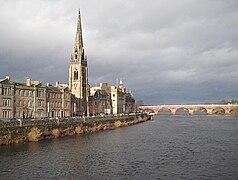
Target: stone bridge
x=191, y=109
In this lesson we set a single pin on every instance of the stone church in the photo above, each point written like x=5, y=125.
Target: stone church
x=78, y=74
x=33, y=100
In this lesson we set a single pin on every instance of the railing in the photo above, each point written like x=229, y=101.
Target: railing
x=61, y=121
x=192, y=105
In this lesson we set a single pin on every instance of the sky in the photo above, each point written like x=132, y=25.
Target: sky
x=165, y=51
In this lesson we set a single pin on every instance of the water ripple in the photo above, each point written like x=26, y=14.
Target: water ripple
x=175, y=147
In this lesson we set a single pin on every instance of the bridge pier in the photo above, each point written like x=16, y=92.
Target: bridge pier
x=227, y=112
x=173, y=111
x=209, y=111
x=190, y=111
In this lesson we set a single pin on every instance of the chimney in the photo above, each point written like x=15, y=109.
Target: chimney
x=28, y=82
x=57, y=83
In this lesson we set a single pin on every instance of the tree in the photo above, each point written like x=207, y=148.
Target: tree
x=138, y=104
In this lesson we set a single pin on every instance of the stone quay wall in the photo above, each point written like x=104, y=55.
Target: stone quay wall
x=32, y=131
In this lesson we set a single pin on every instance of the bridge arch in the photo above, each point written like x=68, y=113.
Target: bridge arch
x=200, y=109
x=218, y=110
x=164, y=109
x=149, y=110
x=183, y=109
x=234, y=111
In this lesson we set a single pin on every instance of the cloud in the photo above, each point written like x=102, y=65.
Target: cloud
x=166, y=51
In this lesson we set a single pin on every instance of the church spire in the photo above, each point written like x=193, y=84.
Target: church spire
x=79, y=37
x=78, y=73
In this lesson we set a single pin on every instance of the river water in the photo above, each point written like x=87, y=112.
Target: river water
x=169, y=147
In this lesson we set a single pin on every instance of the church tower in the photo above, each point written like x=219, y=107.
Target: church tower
x=78, y=72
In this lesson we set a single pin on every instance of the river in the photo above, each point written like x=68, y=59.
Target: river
x=169, y=147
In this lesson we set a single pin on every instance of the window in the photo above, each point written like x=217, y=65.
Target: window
x=76, y=74
x=39, y=93
x=6, y=102
x=6, y=113
x=76, y=56
x=40, y=103
x=17, y=92
x=7, y=91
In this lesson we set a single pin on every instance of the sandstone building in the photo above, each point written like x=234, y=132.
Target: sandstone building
x=100, y=103
x=58, y=100
x=130, y=104
x=32, y=99
x=120, y=101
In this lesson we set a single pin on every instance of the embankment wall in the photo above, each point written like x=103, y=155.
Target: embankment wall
x=33, y=131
